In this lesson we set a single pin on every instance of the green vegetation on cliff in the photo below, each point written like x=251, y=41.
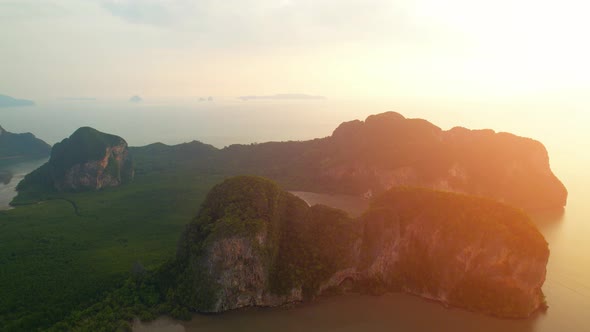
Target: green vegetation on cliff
x=468, y=251
x=240, y=207
x=297, y=247
x=313, y=250
x=85, y=144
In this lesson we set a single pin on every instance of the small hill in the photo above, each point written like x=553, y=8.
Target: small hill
x=21, y=145
x=161, y=157
x=87, y=160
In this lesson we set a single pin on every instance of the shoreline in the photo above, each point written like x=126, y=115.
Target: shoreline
x=327, y=313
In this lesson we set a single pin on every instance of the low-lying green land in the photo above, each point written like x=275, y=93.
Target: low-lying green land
x=65, y=251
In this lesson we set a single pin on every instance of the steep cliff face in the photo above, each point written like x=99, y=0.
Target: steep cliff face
x=464, y=251
x=87, y=160
x=388, y=150
x=251, y=245
x=110, y=171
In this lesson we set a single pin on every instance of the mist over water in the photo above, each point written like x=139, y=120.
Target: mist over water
x=227, y=121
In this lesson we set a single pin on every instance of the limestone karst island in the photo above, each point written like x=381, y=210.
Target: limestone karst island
x=446, y=221
x=294, y=166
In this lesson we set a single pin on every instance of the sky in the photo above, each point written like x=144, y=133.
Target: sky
x=453, y=49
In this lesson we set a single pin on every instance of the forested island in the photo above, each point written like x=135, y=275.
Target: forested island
x=445, y=222
x=21, y=146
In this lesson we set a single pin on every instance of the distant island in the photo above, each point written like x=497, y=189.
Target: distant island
x=135, y=99
x=78, y=99
x=21, y=145
x=7, y=101
x=286, y=96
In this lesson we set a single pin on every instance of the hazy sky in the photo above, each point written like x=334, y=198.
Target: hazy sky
x=354, y=48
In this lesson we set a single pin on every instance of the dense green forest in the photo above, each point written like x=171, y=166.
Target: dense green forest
x=68, y=250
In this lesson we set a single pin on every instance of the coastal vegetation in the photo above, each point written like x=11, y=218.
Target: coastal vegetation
x=69, y=249
x=92, y=260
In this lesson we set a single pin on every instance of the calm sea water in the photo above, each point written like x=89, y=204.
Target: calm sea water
x=18, y=169
x=227, y=121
